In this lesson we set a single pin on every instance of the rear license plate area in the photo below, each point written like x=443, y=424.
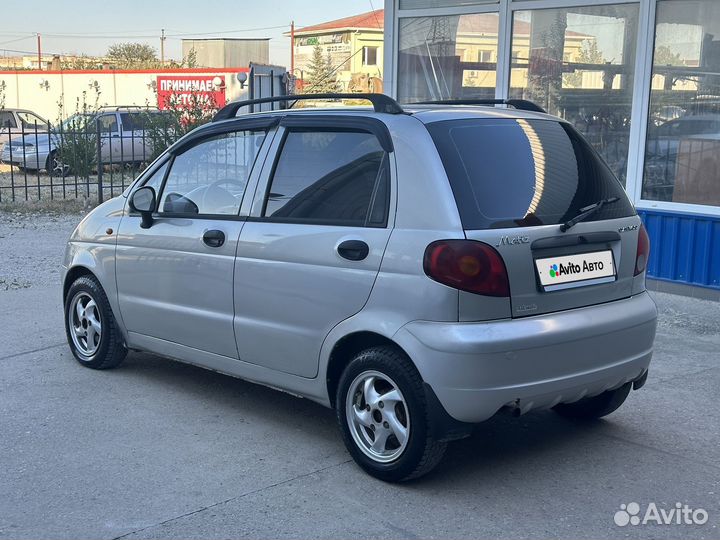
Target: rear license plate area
x=575, y=270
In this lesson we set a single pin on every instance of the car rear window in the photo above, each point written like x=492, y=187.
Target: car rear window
x=521, y=173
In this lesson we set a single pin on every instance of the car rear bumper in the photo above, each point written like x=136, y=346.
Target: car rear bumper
x=533, y=362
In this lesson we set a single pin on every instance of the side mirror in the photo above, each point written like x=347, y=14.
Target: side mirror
x=143, y=201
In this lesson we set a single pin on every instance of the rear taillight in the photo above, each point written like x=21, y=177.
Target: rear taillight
x=467, y=265
x=643, y=251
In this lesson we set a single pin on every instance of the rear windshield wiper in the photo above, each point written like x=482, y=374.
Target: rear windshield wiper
x=587, y=211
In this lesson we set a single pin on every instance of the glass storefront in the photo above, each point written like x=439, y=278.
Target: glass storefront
x=578, y=63
x=448, y=57
x=682, y=151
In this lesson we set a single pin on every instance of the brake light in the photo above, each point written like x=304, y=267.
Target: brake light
x=467, y=265
x=643, y=251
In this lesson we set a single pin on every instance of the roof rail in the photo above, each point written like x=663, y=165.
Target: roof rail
x=522, y=104
x=381, y=103
x=118, y=107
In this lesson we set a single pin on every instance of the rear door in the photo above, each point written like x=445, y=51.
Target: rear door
x=515, y=182
x=310, y=251
x=133, y=137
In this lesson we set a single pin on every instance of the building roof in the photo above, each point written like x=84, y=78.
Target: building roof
x=372, y=20
x=228, y=39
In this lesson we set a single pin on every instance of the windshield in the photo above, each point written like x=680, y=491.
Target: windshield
x=522, y=173
x=77, y=121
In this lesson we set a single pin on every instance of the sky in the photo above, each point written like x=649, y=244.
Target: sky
x=75, y=27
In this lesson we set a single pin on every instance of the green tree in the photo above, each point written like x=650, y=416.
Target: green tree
x=133, y=55
x=321, y=77
x=665, y=57
x=589, y=54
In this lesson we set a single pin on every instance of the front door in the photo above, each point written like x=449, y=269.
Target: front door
x=311, y=250
x=175, y=278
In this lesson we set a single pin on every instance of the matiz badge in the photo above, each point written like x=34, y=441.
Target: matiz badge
x=512, y=240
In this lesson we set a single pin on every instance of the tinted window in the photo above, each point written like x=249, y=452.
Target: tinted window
x=108, y=123
x=7, y=120
x=210, y=177
x=132, y=121
x=520, y=173
x=330, y=177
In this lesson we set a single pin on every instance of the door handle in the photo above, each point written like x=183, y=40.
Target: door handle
x=214, y=238
x=353, y=250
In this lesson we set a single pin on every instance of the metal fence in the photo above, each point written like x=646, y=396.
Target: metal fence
x=98, y=161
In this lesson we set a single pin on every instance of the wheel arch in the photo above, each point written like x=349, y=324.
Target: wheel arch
x=74, y=273
x=346, y=348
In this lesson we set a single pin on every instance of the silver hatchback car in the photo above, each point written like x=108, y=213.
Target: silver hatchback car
x=416, y=269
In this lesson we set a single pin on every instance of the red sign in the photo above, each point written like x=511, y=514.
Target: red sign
x=180, y=91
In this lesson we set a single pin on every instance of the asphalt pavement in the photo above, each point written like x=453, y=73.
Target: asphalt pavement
x=159, y=449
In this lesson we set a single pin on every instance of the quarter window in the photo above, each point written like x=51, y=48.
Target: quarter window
x=330, y=177
x=210, y=178
x=7, y=120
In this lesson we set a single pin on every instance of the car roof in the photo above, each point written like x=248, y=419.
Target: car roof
x=12, y=109
x=425, y=113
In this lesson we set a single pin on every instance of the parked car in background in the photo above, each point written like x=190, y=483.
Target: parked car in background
x=663, y=144
x=14, y=122
x=417, y=269
x=123, y=139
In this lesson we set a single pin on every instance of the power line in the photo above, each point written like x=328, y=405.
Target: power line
x=16, y=39
x=148, y=36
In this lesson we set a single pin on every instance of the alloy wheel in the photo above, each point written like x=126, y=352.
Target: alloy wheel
x=85, y=324
x=378, y=417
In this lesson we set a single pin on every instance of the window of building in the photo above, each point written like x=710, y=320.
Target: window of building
x=424, y=4
x=210, y=178
x=328, y=177
x=370, y=55
x=430, y=61
x=580, y=66
x=682, y=152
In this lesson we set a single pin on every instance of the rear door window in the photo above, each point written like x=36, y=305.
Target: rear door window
x=330, y=177
x=522, y=173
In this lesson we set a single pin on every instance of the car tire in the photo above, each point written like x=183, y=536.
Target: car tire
x=92, y=333
x=596, y=406
x=390, y=439
x=54, y=167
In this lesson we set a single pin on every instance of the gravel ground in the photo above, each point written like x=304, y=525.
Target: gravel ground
x=32, y=247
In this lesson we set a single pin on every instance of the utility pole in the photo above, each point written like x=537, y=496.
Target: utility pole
x=162, y=47
x=39, y=53
x=292, y=48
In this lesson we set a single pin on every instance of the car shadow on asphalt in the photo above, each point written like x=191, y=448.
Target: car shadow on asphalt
x=502, y=442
